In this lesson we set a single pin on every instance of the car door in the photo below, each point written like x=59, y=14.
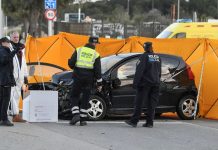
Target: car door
x=168, y=82
x=122, y=94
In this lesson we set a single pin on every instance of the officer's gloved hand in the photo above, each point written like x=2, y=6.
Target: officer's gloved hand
x=99, y=88
x=99, y=85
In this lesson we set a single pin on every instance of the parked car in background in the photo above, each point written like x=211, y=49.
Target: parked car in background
x=177, y=90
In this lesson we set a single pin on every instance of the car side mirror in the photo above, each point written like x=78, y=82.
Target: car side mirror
x=116, y=83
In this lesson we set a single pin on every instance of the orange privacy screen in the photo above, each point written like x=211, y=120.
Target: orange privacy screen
x=50, y=55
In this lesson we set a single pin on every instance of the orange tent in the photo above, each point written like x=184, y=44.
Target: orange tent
x=46, y=56
x=200, y=54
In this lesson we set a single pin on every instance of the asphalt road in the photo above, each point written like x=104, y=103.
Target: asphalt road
x=112, y=134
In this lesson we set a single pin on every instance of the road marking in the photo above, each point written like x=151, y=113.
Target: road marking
x=197, y=125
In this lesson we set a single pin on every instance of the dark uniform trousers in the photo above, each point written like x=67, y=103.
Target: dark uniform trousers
x=80, y=107
x=150, y=95
x=5, y=92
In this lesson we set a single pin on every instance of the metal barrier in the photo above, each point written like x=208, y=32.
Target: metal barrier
x=113, y=30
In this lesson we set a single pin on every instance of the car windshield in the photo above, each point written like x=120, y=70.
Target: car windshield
x=108, y=62
x=164, y=34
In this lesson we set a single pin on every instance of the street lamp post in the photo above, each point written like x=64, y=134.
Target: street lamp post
x=79, y=11
x=178, y=9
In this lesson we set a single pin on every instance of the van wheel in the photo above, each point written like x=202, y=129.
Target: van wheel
x=186, y=107
x=97, y=108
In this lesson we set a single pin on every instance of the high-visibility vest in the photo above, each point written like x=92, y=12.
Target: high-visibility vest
x=86, y=57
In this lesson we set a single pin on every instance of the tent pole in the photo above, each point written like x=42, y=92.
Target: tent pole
x=200, y=83
x=43, y=84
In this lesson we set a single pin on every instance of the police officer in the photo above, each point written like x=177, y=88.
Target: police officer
x=86, y=66
x=146, y=82
x=6, y=79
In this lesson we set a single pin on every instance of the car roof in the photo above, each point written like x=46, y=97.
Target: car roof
x=124, y=55
x=135, y=54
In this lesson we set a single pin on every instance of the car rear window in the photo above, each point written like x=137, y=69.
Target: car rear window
x=168, y=66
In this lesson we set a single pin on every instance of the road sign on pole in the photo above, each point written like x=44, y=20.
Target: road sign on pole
x=50, y=4
x=50, y=14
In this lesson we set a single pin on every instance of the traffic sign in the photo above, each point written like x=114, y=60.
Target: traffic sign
x=50, y=4
x=50, y=14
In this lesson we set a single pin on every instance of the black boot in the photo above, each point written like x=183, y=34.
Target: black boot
x=131, y=123
x=148, y=125
x=83, y=123
x=6, y=123
x=75, y=119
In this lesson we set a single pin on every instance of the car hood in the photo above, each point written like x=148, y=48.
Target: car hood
x=67, y=76
x=62, y=76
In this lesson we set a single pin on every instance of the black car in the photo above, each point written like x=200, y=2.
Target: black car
x=177, y=94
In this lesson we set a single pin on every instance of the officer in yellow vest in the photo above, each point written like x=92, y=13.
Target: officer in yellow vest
x=86, y=65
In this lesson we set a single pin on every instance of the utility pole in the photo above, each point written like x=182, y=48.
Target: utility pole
x=1, y=19
x=173, y=12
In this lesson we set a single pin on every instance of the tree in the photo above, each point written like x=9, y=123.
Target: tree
x=119, y=15
x=155, y=16
x=31, y=12
x=28, y=12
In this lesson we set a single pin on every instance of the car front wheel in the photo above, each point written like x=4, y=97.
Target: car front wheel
x=97, y=108
x=186, y=107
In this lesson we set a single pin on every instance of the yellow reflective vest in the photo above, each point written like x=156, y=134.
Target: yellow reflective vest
x=86, y=57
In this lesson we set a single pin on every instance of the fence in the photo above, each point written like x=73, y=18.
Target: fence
x=113, y=30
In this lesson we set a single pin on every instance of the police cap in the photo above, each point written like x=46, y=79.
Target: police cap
x=5, y=39
x=94, y=40
x=147, y=45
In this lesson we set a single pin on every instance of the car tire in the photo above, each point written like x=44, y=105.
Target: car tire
x=97, y=108
x=186, y=107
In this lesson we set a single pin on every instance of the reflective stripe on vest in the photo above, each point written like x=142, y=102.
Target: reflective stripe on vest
x=86, y=57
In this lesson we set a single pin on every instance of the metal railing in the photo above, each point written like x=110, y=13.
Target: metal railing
x=113, y=30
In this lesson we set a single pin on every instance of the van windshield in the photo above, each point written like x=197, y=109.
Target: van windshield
x=164, y=34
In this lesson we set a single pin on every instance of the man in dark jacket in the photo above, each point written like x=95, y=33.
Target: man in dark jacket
x=6, y=79
x=146, y=82
x=87, y=66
